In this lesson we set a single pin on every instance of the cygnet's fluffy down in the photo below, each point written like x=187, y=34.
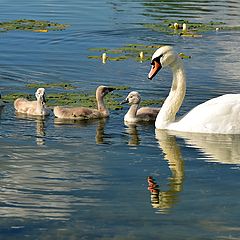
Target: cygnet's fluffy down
x=37, y=108
x=134, y=115
x=83, y=113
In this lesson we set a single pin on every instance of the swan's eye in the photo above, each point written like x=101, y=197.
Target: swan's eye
x=157, y=59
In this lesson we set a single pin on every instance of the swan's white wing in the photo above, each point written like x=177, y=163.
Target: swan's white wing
x=218, y=115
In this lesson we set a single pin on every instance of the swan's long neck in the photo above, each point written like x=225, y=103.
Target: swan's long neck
x=101, y=105
x=132, y=112
x=175, y=98
x=40, y=106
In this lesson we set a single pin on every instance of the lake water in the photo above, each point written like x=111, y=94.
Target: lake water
x=89, y=180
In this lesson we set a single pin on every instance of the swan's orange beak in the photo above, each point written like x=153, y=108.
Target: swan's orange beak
x=156, y=66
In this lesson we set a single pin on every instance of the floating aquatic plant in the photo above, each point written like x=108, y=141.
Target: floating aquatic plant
x=31, y=25
x=82, y=99
x=184, y=56
x=12, y=96
x=51, y=85
x=73, y=99
x=137, y=52
x=69, y=98
x=119, y=87
x=149, y=102
x=188, y=29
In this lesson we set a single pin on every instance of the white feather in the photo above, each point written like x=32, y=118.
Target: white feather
x=218, y=115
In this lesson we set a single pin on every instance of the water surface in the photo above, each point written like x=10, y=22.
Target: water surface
x=89, y=180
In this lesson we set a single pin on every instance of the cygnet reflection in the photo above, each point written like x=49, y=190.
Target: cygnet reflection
x=132, y=131
x=100, y=126
x=40, y=126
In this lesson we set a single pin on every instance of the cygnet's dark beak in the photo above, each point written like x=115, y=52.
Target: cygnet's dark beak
x=156, y=66
x=110, y=89
x=124, y=101
x=43, y=98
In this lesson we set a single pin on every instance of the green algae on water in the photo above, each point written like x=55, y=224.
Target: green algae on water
x=69, y=98
x=31, y=25
x=194, y=29
x=129, y=51
x=82, y=99
x=184, y=56
x=51, y=85
x=119, y=87
x=75, y=99
x=13, y=96
x=85, y=99
x=149, y=102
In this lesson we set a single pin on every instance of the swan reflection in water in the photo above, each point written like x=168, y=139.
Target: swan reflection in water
x=164, y=200
x=40, y=126
x=220, y=148
x=100, y=126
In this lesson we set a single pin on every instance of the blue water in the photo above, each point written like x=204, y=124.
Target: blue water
x=89, y=180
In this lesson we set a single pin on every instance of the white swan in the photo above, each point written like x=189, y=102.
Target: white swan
x=134, y=115
x=218, y=115
x=83, y=113
x=36, y=108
